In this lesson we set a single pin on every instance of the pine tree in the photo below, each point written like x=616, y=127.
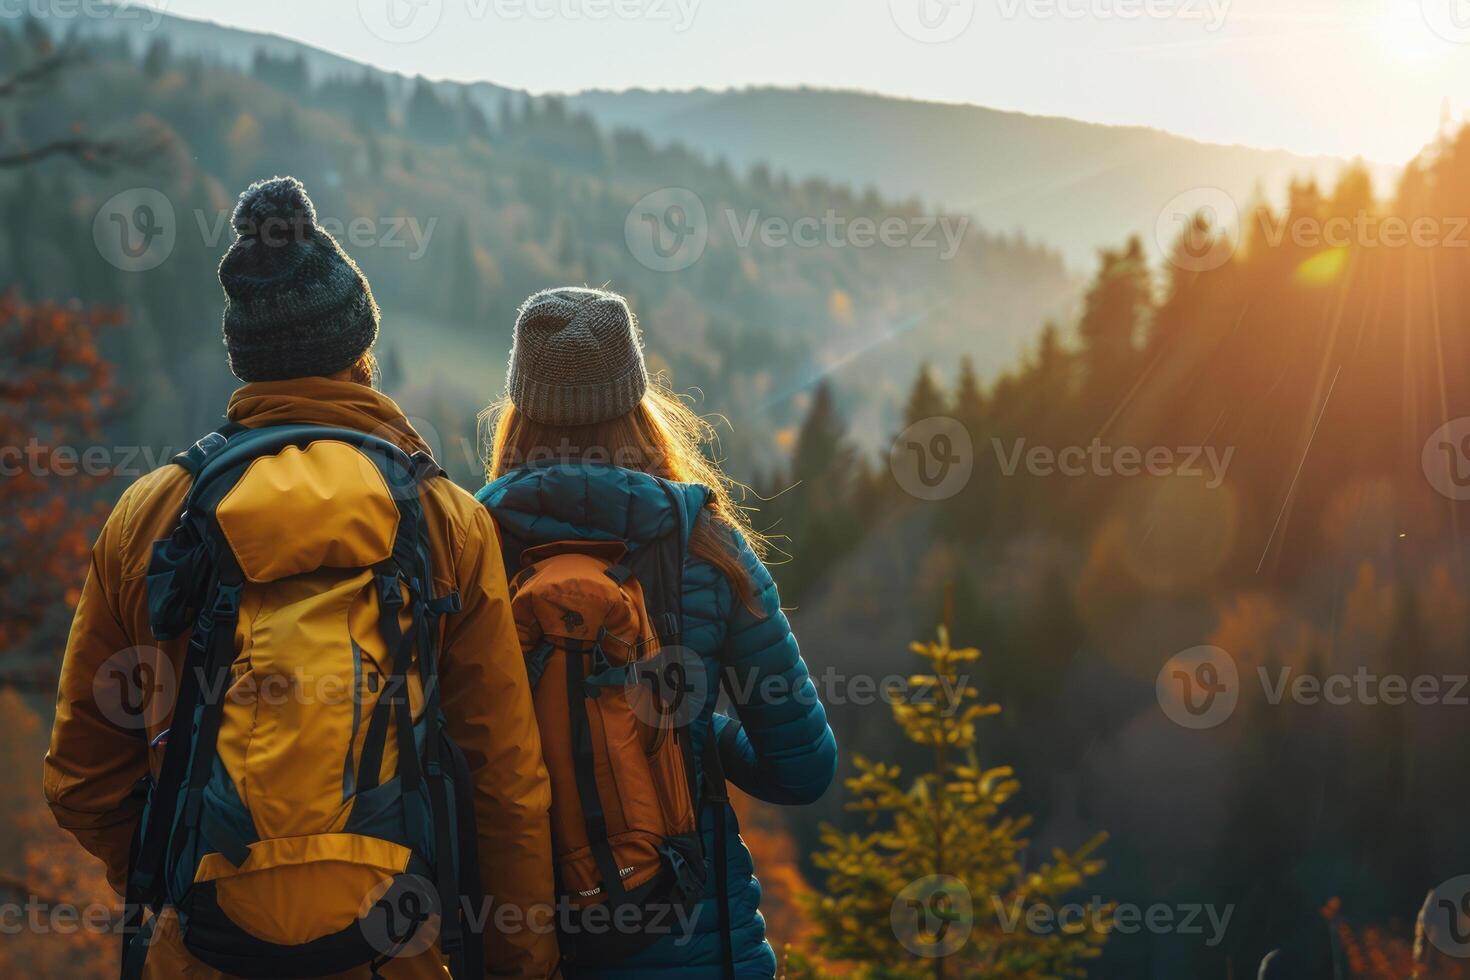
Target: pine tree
x=926, y=400
x=1116, y=314
x=946, y=825
x=476, y=124
x=969, y=399
x=465, y=298
x=816, y=515
x=967, y=514
x=505, y=116
x=428, y=116
x=157, y=58
x=1051, y=363
x=822, y=454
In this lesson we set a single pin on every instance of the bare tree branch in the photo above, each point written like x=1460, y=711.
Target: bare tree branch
x=94, y=154
x=97, y=156
x=40, y=73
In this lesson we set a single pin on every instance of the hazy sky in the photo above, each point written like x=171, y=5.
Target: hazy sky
x=1335, y=76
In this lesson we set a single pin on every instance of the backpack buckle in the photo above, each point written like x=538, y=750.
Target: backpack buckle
x=445, y=605
x=600, y=662
x=422, y=466
x=390, y=591
x=211, y=444
x=603, y=636
x=226, y=601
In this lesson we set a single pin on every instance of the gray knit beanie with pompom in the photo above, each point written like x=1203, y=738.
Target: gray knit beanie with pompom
x=296, y=305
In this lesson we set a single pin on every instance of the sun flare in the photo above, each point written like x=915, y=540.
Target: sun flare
x=1404, y=34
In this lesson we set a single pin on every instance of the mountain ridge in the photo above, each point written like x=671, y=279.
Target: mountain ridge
x=1073, y=184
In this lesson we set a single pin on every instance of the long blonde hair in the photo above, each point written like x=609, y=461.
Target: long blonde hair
x=661, y=436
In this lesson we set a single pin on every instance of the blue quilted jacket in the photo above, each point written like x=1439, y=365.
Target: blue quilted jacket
x=780, y=751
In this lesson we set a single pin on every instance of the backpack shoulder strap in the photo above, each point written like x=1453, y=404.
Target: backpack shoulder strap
x=717, y=797
x=198, y=455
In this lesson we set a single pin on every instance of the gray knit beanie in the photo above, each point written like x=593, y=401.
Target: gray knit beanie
x=576, y=358
x=296, y=305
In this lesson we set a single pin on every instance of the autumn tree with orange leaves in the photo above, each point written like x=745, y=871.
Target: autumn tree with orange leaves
x=59, y=908
x=55, y=391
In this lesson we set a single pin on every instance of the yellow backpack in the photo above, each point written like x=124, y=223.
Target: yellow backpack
x=311, y=814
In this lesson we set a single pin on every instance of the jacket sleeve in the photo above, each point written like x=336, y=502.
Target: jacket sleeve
x=487, y=704
x=94, y=763
x=781, y=750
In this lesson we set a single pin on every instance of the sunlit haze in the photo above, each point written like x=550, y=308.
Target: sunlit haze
x=1344, y=77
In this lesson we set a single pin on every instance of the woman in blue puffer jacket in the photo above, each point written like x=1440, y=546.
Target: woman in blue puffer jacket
x=584, y=448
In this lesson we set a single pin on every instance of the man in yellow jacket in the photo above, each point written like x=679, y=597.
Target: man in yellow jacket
x=300, y=338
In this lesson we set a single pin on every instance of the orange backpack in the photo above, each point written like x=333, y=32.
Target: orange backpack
x=614, y=696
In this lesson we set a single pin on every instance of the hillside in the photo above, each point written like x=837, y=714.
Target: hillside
x=462, y=212
x=1075, y=185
